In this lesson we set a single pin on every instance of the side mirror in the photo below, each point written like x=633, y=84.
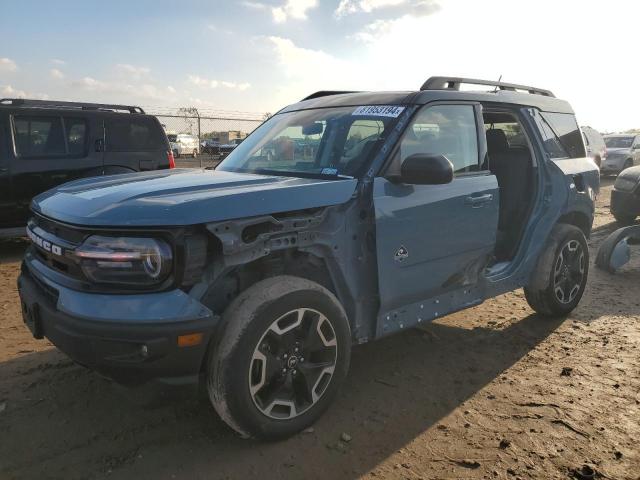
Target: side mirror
x=426, y=169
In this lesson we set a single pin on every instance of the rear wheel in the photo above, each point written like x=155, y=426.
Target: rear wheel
x=561, y=274
x=280, y=358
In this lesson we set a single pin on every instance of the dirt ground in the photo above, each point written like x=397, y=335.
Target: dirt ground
x=479, y=394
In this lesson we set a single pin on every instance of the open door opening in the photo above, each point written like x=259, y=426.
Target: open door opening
x=510, y=159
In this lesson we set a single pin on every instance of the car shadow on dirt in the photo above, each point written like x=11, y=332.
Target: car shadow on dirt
x=397, y=388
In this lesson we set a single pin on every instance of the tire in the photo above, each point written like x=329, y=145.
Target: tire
x=624, y=220
x=566, y=273
x=257, y=389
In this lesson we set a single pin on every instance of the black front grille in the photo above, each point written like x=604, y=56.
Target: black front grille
x=59, y=235
x=59, y=230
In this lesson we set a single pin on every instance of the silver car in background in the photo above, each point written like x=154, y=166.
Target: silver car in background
x=623, y=151
x=596, y=148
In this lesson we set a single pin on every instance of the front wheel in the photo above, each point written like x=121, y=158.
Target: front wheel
x=560, y=277
x=280, y=358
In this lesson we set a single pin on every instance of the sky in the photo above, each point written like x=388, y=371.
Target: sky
x=258, y=56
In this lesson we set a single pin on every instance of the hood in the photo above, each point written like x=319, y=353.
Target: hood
x=185, y=197
x=618, y=151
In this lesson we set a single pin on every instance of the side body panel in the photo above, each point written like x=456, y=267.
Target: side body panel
x=432, y=240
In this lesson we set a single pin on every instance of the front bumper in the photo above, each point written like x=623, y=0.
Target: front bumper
x=625, y=203
x=129, y=338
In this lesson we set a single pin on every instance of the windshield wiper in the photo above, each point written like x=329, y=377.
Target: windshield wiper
x=285, y=173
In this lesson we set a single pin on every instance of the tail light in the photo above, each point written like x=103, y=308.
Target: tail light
x=172, y=161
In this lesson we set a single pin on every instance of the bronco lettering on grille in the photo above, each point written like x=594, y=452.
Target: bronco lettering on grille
x=46, y=245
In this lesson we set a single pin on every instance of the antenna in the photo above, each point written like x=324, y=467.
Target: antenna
x=499, y=80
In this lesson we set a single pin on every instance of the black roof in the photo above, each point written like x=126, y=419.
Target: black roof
x=439, y=89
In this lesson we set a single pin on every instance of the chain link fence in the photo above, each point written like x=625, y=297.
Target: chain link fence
x=213, y=130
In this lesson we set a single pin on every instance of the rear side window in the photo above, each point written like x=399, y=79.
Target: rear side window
x=133, y=134
x=562, y=137
x=76, y=135
x=42, y=137
x=39, y=136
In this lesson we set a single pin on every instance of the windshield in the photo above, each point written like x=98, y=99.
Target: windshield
x=618, y=142
x=323, y=142
x=172, y=138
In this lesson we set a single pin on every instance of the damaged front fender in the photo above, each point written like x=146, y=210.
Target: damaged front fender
x=615, y=251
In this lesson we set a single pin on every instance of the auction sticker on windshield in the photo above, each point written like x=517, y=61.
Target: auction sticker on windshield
x=379, y=111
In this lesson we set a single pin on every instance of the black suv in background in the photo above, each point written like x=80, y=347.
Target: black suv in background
x=44, y=143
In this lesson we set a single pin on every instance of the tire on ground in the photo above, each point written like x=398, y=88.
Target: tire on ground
x=244, y=322
x=540, y=293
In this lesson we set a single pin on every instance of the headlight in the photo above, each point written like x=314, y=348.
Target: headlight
x=126, y=261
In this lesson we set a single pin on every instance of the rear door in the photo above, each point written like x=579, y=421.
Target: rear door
x=134, y=142
x=47, y=149
x=433, y=241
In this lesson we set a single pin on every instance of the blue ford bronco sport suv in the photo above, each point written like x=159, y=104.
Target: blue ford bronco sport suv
x=343, y=218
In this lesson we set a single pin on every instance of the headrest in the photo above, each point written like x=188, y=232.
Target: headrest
x=497, y=140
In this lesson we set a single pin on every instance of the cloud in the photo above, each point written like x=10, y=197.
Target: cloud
x=296, y=9
x=9, y=91
x=57, y=61
x=353, y=6
x=254, y=5
x=171, y=90
x=290, y=9
x=415, y=8
x=132, y=71
x=209, y=83
x=307, y=70
x=7, y=65
x=90, y=84
x=57, y=74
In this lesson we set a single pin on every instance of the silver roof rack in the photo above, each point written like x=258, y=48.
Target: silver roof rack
x=22, y=102
x=453, y=83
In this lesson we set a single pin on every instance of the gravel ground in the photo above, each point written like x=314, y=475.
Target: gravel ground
x=491, y=392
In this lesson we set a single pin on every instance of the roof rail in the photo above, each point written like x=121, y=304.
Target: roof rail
x=22, y=102
x=326, y=93
x=453, y=83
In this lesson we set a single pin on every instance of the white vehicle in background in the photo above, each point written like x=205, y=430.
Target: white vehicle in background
x=184, y=144
x=594, y=143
